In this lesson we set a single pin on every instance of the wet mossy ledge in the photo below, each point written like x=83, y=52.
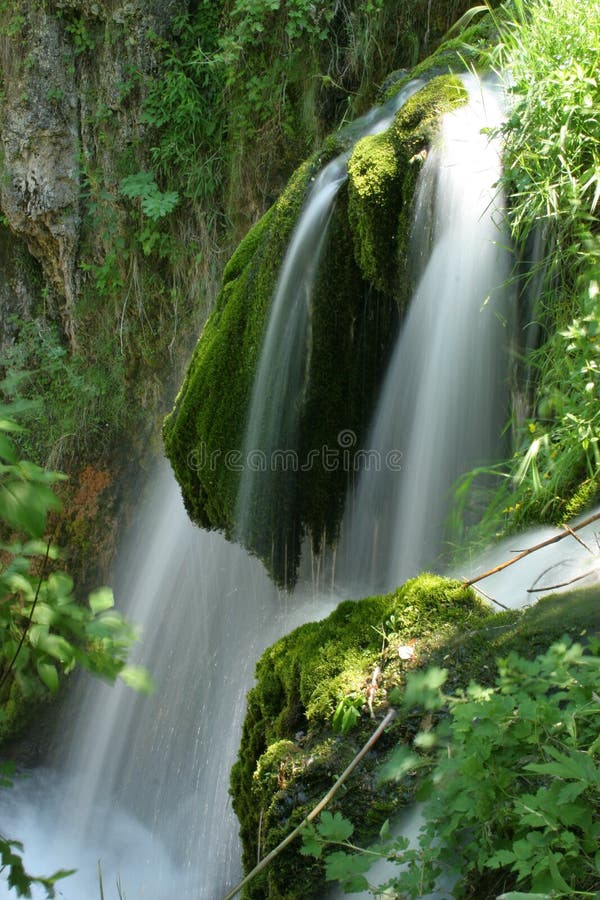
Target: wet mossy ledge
x=360, y=294
x=290, y=755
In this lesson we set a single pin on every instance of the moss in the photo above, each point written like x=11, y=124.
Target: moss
x=209, y=415
x=353, y=320
x=289, y=754
x=382, y=176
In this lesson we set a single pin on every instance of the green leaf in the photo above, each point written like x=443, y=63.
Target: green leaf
x=7, y=450
x=101, y=600
x=517, y=895
x=385, y=832
x=423, y=688
x=48, y=675
x=159, y=204
x=500, y=858
x=60, y=585
x=137, y=678
x=334, y=827
x=56, y=646
x=401, y=762
x=139, y=185
x=312, y=845
x=348, y=867
x=25, y=506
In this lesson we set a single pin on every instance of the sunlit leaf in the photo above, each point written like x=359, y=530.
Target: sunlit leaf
x=48, y=675
x=101, y=600
x=138, y=678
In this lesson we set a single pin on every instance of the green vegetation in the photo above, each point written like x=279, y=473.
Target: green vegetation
x=354, y=311
x=382, y=175
x=551, y=176
x=513, y=786
x=291, y=749
x=76, y=397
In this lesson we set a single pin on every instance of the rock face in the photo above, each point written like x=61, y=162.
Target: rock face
x=40, y=138
x=63, y=65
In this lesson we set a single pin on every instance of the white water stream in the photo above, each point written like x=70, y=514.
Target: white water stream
x=148, y=777
x=444, y=398
x=281, y=377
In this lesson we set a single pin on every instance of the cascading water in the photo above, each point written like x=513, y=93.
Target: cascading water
x=283, y=368
x=148, y=778
x=147, y=788
x=444, y=401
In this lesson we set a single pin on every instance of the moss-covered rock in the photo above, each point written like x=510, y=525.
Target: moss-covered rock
x=290, y=755
x=382, y=174
x=289, y=752
x=352, y=322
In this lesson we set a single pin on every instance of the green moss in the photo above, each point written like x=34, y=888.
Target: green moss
x=352, y=324
x=208, y=419
x=382, y=177
x=289, y=754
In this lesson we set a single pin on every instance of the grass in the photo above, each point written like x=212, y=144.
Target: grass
x=548, y=54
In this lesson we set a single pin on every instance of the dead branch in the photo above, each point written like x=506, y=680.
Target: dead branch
x=553, y=587
x=372, y=689
x=318, y=808
x=553, y=540
x=491, y=599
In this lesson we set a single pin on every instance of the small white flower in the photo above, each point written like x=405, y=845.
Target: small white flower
x=406, y=651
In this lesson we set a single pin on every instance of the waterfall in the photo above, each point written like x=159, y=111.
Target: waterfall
x=147, y=783
x=283, y=368
x=444, y=400
x=141, y=783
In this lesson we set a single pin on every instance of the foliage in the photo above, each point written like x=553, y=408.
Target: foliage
x=155, y=204
x=75, y=396
x=513, y=788
x=552, y=177
x=44, y=632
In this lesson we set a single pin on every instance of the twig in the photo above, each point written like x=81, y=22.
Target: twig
x=491, y=599
x=577, y=538
x=259, y=839
x=320, y=806
x=546, y=543
x=372, y=689
x=552, y=587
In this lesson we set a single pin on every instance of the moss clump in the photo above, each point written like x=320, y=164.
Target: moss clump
x=352, y=322
x=207, y=422
x=289, y=753
x=382, y=176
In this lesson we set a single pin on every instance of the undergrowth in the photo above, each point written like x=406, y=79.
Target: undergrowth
x=548, y=52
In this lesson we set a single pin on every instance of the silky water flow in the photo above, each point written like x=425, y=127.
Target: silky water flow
x=139, y=784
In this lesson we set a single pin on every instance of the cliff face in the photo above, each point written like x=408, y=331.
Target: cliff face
x=62, y=66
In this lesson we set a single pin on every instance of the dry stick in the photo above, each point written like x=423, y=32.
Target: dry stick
x=546, y=543
x=577, y=538
x=491, y=599
x=315, y=812
x=553, y=587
